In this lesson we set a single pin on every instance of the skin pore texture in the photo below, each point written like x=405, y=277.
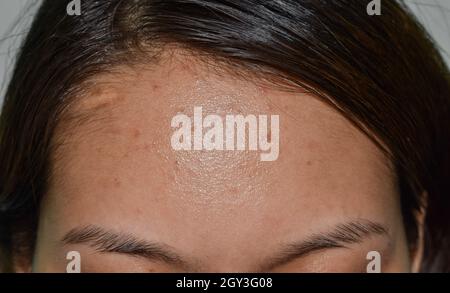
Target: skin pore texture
x=114, y=172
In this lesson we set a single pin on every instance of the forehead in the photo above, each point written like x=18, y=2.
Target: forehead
x=117, y=166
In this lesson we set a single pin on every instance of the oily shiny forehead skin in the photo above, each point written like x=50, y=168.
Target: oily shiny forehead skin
x=117, y=168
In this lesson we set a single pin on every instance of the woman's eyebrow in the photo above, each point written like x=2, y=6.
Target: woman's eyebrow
x=340, y=236
x=103, y=240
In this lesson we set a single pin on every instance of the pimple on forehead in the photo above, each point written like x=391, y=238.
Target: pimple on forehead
x=136, y=133
x=139, y=109
x=231, y=197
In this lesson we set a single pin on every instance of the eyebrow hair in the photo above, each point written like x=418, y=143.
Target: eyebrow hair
x=340, y=236
x=108, y=241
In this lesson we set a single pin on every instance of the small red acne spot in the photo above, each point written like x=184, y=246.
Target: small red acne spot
x=136, y=133
x=155, y=87
x=117, y=182
x=138, y=211
x=180, y=109
x=234, y=190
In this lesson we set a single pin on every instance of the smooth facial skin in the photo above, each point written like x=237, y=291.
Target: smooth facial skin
x=328, y=200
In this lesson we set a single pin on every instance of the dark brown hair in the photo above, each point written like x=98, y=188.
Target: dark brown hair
x=382, y=72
